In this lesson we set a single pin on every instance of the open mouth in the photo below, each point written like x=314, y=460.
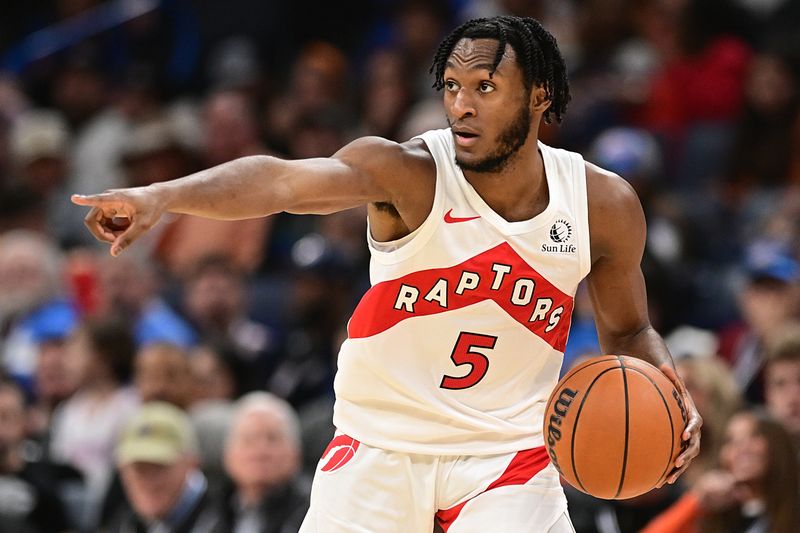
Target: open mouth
x=465, y=139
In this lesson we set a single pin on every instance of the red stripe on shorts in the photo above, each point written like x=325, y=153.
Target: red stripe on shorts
x=521, y=469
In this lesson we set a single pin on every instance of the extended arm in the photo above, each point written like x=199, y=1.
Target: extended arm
x=617, y=289
x=367, y=170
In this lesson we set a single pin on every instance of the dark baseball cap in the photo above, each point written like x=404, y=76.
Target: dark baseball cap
x=777, y=267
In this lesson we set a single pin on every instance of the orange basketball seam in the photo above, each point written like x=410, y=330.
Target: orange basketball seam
x=669, y=417
x=601, y=359
x=575, y=426
x=627, y=428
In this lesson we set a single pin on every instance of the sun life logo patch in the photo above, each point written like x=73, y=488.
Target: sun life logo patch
x=561, y=231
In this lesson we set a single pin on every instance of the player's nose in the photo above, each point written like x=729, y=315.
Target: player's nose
x=463, y=104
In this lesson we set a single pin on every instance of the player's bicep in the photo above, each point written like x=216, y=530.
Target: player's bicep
x=322, y=186
x=616, y=284
x=357, y=174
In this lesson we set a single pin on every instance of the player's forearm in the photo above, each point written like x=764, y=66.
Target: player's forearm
x=644, y=343
x=243, y=188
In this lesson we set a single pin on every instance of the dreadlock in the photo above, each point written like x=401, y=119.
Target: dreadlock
x=536, y=49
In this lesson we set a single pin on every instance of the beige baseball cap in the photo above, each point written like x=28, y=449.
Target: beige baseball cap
x=37, y=134
x=158, y=433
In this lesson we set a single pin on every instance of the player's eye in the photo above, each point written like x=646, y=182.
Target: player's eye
x=485, y=87
x=450, y=85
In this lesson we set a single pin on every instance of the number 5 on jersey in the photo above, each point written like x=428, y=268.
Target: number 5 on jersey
x=463, y=354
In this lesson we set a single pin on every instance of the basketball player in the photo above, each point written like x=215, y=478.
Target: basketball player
x=479, y=236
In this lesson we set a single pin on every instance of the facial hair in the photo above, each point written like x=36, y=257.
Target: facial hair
x=509, y=143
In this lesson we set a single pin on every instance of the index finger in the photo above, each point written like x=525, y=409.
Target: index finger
x=690, y=452
x=92, y=200
x=684, y=459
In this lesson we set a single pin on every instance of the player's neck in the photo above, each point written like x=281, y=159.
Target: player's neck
x=519, y=190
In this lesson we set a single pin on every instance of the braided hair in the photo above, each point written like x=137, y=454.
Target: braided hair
x=536, y=50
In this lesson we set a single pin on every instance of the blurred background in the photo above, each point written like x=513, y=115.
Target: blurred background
x=203, y=325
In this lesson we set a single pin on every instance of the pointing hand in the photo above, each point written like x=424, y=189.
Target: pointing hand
x=120, y=216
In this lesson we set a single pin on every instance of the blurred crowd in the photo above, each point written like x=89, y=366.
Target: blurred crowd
x=187, y=385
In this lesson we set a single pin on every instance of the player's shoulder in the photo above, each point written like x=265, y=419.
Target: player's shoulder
x=379, y=149
x=608, y=191
x=377, y=156
x=614, y=209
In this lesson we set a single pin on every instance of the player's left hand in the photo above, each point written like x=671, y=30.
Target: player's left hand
x=691, y=434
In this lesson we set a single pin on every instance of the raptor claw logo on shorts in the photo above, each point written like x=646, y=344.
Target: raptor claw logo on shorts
x=561, y=231
x=338, y=453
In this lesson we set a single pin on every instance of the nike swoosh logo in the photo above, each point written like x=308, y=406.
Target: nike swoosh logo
x=452, y=220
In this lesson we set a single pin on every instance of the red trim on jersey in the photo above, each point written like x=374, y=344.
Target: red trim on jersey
x=519, y=471
x=376, y=312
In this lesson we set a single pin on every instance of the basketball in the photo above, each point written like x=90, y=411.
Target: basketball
x=613, y=426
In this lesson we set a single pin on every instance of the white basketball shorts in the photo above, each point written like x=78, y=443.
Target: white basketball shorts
x=361, y=489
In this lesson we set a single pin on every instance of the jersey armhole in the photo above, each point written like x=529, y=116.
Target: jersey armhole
x=582, y=214
x=390, y=252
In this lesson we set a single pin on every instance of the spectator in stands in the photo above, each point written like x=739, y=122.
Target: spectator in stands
x=418, y=26
x=262, y=458
x=768, y=301
x=30, y=501
x=30, y=270
x=215, y=300
x=782, y=380
x=755, y=488
x=162, y=374
x=217, y=373
x=155, y=152
x=54, y=380
x=129, y=286
x=40, y=154
x=80, y=88
x=157, y=458
x=317, y=85
x=762, y=148
x=313, y=311
x=86, y=427
x=319, y=135
x=386, y=94
x=704, y=65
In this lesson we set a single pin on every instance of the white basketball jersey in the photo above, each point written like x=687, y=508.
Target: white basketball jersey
x=456, y=346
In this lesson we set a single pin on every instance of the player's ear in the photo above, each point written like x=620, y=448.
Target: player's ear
x=539, y=100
